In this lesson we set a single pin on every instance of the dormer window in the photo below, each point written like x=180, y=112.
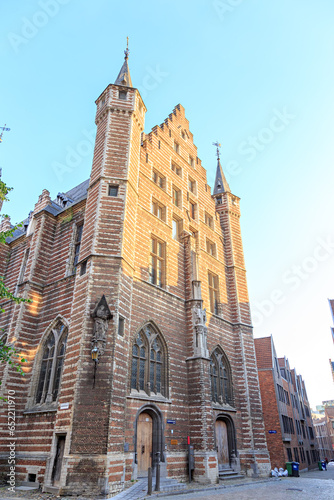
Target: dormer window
x=122, y=94
x=63, y=201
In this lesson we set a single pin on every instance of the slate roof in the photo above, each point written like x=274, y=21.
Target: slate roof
x=75, y=194
x=221, y=184
x=124, y=77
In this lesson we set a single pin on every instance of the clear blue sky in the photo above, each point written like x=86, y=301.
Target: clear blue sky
x=256, y=75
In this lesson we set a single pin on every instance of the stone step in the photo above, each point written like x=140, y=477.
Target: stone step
x=169, y=485
x=231, y=476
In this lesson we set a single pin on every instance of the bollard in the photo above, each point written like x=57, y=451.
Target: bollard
x=157, y=476
x=149, y=478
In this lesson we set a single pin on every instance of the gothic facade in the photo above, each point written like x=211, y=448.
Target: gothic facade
x=139, y=332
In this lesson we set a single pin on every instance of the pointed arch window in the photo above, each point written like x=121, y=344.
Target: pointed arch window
x=148, y=371
x=221, y=380
x=52, y=364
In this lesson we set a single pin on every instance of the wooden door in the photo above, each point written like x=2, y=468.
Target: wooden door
x=58, y=460
x=222, y=444
x=144, y=443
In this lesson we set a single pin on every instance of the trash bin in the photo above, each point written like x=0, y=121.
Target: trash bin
x=320, y=465
x=288, y=467
x=295, y=469
x=324, y=465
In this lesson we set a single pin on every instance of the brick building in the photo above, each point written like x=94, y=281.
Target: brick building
x=141, y=267
x=323, y=422
x=286, y=410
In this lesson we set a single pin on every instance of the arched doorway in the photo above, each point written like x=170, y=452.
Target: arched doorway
x=148, y=439
x=144, y=442
x=225, y=441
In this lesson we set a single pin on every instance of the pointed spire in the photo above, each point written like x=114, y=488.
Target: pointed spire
x=221, y=184
x=124, y=77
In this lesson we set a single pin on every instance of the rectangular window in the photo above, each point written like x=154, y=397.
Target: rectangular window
x=83, y=268
x=287, y=400
x=176, y=193
x=159, y=144
x=295, y=451
x=288, y=450
x=122, y=94
x=213, y=292
x=192, y=210
x=176, y=147
x=211, y=247
x=113, y=190
x=176, y=169
x=191, y=161
x=192, y=185
x=158, y=210
x=177, y=226
x=121, y=326
x=77, y=244
x=208, y=219
x=157, y=262
x=159, y=179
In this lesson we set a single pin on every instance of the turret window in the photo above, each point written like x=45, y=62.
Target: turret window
x=122, y=94
x=113, y=191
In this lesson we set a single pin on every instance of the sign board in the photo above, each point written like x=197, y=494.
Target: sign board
x=64, y=406
x=272, y=432
x=173, y=441
x=169, y=421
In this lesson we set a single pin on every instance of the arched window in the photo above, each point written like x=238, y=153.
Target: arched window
x=148, y=371
x=221, y=380
x=52, y=364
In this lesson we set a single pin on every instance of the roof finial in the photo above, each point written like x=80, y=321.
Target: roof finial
x=126, y=52
x=218, y=146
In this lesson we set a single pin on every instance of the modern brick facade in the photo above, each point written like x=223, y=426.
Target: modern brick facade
x=286, y=411
x=143, y=267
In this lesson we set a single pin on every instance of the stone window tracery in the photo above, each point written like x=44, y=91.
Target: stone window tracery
x=221, y=380
x=51, y=365
x=148, y=372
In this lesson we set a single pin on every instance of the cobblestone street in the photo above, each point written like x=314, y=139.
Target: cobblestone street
x=309, y=486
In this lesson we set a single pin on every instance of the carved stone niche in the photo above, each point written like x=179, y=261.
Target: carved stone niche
x=101, y=316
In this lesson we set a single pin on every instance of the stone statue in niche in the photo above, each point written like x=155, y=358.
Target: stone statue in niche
x=199, y=316
x=101, y=316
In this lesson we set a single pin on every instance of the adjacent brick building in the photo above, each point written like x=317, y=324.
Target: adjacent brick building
x=141, y=268
x=286, y=410
x=323, y=422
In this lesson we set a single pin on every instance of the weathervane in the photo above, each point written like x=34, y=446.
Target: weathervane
x=217, y=146
x=126, y=52
x=4, y=129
